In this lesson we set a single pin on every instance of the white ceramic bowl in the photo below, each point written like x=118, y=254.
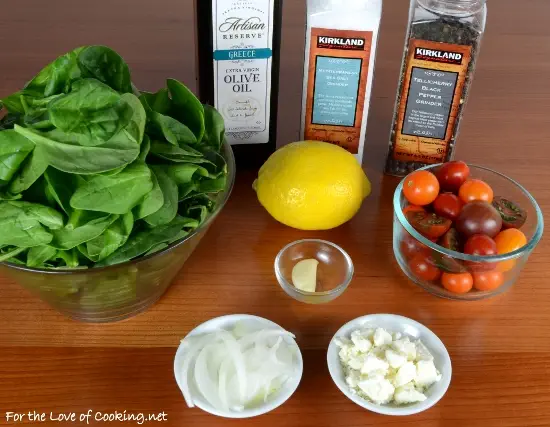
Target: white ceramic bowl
x=228, y=322
x=408, y=327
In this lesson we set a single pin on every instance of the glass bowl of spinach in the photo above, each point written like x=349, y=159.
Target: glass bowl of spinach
x=105, y=191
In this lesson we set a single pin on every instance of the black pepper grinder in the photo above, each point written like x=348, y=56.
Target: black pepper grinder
x=441, y=50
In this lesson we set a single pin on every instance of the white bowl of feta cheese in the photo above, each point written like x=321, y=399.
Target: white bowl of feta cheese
x=389, y=364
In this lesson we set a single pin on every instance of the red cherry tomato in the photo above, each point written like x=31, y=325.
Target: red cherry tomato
x=488, y=281
x=422, y=267
x=410, y=247
x=480, y=245
x=448, y=205
x=421, y=188
x=461, y=283
x=452, y=175
x=413, y=208
x=429, y=224
x=451, y=240
x=475, y=189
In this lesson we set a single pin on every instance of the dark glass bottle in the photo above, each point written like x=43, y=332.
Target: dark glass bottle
x=239, y=44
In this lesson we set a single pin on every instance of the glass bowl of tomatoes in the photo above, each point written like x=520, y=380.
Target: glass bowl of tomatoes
x=464, y=231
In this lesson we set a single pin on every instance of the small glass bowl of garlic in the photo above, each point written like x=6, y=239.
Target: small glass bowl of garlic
x=313, y=271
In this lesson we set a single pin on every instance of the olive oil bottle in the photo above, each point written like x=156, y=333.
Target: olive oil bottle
x=238, y=44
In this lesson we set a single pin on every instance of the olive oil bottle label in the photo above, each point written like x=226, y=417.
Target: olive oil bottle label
x=431, y=100
x=337, y=82
x=243, y=43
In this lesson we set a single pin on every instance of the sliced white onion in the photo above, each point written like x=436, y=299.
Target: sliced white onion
x=233, y=370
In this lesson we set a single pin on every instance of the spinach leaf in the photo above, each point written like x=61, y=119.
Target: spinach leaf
x=61, y=186
x=185, y=173
x=144, y=240
x=214, y=128
x=114, y=194
x=145, y=148
x=63, y=152
x=187, y=108
x=113, y=238
x=45, y=215
x=178, y=154
x=136, y=128
x=9, y=196
x=57, y=77
x=107, y=66
x=20, y=229
x=213, y=185
x=152, y=202
x=70, y=258
x=38, y=255
x=91, y=109
x=31, y=169
x=14, y=148
x=11, y=253
x=90, y=226
x=8, y=121
x=159, y=102
x=169, y=209
x=173, y=131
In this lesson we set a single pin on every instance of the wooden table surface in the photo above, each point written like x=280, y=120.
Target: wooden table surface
x=500, y=348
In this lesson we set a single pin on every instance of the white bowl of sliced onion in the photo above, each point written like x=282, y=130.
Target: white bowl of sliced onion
x=238, y=366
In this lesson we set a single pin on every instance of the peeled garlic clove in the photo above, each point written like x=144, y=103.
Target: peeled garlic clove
x=304, y=275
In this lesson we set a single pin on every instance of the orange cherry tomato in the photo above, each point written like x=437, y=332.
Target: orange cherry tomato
x=460, y=283
x=421, y=188
x=488, y=281
x=423, y=268
x=509, y=241
x=475, y=189
x=413, y=208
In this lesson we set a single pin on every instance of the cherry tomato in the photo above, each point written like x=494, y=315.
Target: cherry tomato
x=513, y=215
x=452, y=175
x=488, y=281
x=475, y=189
x=421, y=188
x=451, y=240
x=509, y=241
x=479, y=218
x=429, y=224
x=413, y=208
x=481, y=245
x=411, y=247
x=461, y=283
x=448, y=264
x=448, y=205
x=422, y=267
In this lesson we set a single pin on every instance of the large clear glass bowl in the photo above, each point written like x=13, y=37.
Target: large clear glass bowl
x=510, y=265
x=116, y=292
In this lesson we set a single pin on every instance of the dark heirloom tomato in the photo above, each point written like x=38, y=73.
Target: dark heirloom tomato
x=513, y=215
x=451, y=240
x=452, y=175
x=479, y=218
x=448, y=205
x=423, y=268
x=428, y=224
x=411, y=247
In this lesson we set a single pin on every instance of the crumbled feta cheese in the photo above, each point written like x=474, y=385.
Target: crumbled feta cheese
x=426, y=374
x=378, y=389
x=395, y=359
x=405, y=374
x=362, y=342
x=405, y=346
x=381, y=337
x=422, y=353
x=386, y=367
x=408, y=394
x=374, y=364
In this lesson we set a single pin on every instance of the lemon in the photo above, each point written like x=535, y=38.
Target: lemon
x=312, y=185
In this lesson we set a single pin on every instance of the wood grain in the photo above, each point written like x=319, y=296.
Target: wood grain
x=500, y=348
